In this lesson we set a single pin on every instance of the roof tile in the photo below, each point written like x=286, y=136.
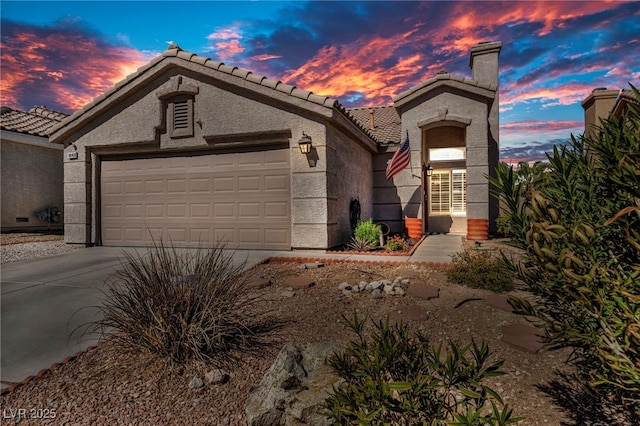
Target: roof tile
x=387, y=123
x=286, y=88
x=35, y=122
x=302, y=94
x=242, y=73
x=255, y=78
x=270, y=83
x=227, y=69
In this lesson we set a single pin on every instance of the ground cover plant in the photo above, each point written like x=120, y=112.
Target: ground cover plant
x=397, y=377
x=479, y=268
x=578, y=221
x=179, y=304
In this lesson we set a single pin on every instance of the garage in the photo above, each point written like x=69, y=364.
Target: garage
x=241, y=198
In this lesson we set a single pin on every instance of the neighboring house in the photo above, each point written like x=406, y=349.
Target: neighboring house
x=601, y=104
x=196, y=151
x=32, y=170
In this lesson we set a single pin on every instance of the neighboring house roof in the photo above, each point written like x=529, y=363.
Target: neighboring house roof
x=383, y=122
x=36, y=122
x=243, y=76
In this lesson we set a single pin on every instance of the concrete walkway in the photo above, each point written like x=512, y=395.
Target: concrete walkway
x=46, y=301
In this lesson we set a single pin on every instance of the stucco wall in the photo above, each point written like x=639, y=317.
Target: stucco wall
x=447, y=107
x=31, y=180
x=225, y=117
x=350, y=176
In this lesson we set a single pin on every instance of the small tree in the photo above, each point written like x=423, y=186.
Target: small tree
x=578, y=221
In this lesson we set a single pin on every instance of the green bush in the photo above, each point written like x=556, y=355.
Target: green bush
x=369, y=231
x=480, y=269
x=396, y=377
x=179, y=304
x=579, y=224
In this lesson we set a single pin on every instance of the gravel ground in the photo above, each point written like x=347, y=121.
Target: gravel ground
x=111, y=386
x=18, y=246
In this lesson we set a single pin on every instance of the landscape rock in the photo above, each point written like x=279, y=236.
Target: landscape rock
x=376, y=294
x=196, y=383
x=373, y=285
x=258, y=283
x=216, y=376
x=298, y=282
x=344, y=286
x=294, y=388
x=424, y=291
x=288, y=293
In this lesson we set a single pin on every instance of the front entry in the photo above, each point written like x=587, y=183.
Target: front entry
x=446, y=201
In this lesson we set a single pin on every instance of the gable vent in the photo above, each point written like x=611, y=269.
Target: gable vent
x=181, y=115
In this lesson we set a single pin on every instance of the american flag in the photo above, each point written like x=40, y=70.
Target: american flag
x=400, y=159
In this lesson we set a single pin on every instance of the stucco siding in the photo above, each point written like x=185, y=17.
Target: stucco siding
x=32, y=175
x=350, y=176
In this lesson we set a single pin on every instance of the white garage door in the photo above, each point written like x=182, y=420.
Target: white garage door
x=242, y=198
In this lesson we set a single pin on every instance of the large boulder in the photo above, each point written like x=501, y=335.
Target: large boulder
x=294, y=388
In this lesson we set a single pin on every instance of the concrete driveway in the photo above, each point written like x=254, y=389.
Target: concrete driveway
x=44, y=301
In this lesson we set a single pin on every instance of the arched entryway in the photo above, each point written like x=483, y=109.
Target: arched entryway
x=445, y=190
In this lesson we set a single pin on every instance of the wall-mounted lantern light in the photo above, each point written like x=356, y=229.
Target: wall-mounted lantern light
x=305, y=143
x=427, y=169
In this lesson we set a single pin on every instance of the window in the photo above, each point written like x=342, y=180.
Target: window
x=448, y=192
x=440, y=190
x=458, y=192
x=447, y=154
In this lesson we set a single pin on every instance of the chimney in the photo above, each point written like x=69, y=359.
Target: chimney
x=484, y=62
x=372, y=120
x=484, y=69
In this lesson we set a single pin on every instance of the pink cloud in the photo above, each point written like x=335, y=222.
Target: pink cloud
x=66, y=68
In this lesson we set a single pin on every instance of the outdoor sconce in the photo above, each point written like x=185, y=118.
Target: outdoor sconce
x=427, y=169
x=305, y=143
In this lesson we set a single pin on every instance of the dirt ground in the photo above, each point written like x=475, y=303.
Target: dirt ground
x=107, y=385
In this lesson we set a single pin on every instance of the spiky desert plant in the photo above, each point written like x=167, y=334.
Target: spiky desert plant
x=179, y=304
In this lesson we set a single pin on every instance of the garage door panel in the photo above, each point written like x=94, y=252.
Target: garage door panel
x=224, y=184
x=248, y=183
x=242, y=199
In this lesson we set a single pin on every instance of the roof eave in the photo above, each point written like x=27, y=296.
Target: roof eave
x=455, y=82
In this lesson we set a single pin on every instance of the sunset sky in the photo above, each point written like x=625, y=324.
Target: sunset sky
x=63, y=54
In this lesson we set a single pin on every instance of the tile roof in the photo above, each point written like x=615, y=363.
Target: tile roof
x=387, y=125
x=246, y=75
x=37, y=121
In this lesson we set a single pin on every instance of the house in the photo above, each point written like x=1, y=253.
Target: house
x=601, y=104
x=197, y=151
x=32, y=170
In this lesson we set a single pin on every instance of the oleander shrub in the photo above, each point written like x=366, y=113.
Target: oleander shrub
x=578, y=223
x=480, y=268
x=368, y=231
x=179, y=304
x=396, y=377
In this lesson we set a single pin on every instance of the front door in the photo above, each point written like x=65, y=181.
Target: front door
x=446, y=198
